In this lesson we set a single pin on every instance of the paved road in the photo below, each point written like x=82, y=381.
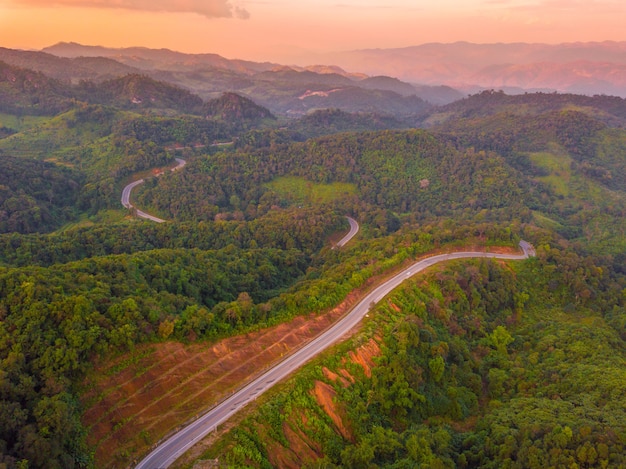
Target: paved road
x=128, y=189
x=171, y=449
x=354, y=229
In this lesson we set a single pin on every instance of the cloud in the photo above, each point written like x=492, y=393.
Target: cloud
x=207, y=8
x=241, y=13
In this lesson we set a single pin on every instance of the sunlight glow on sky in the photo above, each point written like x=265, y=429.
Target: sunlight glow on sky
x=281, y=30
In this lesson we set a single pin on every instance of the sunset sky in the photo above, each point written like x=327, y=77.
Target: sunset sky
x=283, y=30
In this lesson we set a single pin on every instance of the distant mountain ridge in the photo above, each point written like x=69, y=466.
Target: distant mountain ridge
x=288, y=90
x=610, y=110
x=149, y=59
x=586, y=68
x=399, y=82
x=66, y=69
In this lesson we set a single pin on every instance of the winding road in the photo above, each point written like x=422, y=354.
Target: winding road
x=172, y=448
x=128, y=189
x=354, y=226
x=354, y=229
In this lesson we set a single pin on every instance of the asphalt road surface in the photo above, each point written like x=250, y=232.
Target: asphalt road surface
x=172, y=448
x=128, y=189
x=354, y=229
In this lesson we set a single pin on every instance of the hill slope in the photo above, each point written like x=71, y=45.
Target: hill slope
x=31, y=92
x=36, y=196
x=140, y=92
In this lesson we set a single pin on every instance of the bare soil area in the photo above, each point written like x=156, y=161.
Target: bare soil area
x=325, y=396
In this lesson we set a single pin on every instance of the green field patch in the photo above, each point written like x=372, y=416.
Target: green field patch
x=545, y=222
x=105, y=216
x=559, y=166
x=297, y=190
x=53, y=137
x=571, y=184
x=20, y=123
x=583, y=196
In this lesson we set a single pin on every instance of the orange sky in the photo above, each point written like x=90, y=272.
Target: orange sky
x=279, y=30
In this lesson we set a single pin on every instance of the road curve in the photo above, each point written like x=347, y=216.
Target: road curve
x=128, y=189
x=172, y=448
x=354, y=229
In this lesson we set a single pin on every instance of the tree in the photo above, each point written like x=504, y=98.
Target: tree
x=500, y=338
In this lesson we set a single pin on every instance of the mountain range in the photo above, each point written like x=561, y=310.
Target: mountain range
x=400, y=82
x=585, y=68
x=284, y=90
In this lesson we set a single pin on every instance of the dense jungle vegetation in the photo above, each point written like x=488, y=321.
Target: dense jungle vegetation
x=481, y=364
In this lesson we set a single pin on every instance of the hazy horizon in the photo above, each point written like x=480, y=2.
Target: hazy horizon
x=288, y=31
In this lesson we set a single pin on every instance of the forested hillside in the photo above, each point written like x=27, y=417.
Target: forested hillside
x=576, y=157
x=478, y=364
x=104, y=144
x=58, y=317
x=487, y=103
x=23, y=90
x=36, y=196
x=30, y=92
x=332, y=121
x=411, y=174
x=139, y=92
x=473, y=364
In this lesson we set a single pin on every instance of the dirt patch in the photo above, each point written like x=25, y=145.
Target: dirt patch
x=325, y=395
x=347, y=375
x=335, y=377
x=300, y=449
x=502, y=250
x=282, y=457
x=364, y=356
